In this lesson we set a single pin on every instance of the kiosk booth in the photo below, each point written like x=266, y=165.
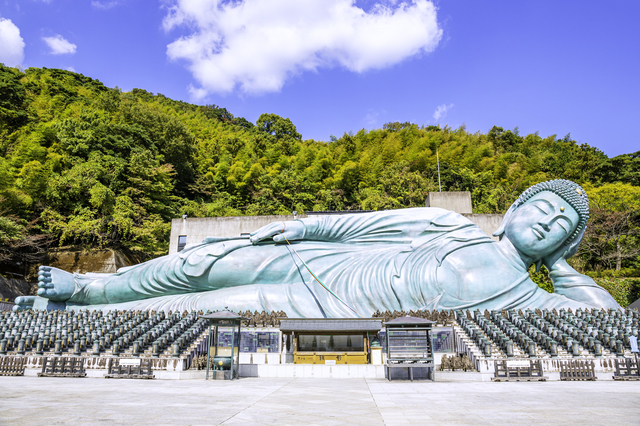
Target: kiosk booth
x=409, y=347
x=331, y=341
x=224, y=347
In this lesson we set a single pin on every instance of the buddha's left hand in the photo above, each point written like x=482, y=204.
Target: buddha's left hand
x=280, y=231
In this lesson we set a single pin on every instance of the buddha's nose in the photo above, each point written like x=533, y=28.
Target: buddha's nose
x=544, y=223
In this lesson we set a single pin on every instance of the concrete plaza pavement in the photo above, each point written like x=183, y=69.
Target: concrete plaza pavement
x=369, y=402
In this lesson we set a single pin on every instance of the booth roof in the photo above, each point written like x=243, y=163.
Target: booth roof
x=409, y=321
x=223, y=315
x=634, y=305
x=330, y=324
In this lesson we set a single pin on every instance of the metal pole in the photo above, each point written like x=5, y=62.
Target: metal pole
x=387, y=338
x=215, y=341
x=431, y=354
x=387, y=364
x=233, y=345
x=238, y=354
x=208, y=350
x=438, y=159
x=236, y=357
x=368, y=349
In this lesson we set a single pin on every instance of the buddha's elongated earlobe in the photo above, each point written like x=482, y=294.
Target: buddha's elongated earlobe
x=507, y=217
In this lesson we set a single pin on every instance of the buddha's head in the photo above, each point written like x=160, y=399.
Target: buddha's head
x=547, y=221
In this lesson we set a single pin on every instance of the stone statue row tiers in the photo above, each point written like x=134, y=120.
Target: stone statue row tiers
x=529, y=333
x=348, y=265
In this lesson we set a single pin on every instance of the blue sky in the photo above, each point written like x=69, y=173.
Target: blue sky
x=334, y=66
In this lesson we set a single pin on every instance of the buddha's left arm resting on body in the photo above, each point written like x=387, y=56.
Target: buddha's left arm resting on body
x=389, y=227
x=194, y=269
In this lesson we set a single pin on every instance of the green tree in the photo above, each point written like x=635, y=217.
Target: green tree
x=613, y=232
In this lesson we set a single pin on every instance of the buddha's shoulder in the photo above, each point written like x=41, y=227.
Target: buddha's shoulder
x=479, y=257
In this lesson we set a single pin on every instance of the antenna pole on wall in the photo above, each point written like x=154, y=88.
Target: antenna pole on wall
x=438, y=159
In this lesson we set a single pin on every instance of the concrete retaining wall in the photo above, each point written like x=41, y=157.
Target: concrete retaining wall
x=458, y=201
x=489, y=223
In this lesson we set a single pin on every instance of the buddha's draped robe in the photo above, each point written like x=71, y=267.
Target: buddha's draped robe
x=419, y=258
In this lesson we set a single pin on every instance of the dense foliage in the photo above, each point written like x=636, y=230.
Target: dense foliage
x=81, y=163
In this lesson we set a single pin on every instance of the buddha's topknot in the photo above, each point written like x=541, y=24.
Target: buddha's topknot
x=571, y=192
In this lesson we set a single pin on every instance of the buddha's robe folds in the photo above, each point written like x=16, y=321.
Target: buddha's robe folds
x=420, y=258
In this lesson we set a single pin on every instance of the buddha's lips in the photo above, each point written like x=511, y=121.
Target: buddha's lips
x=538, y=231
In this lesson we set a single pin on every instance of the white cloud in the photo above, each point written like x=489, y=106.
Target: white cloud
x=11, y=44
x=256, y=45
x=104, y=5
x=59, y=45
x=441, y=111
x=371, y=118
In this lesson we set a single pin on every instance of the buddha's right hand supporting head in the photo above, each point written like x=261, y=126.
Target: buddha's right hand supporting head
x=55, y=284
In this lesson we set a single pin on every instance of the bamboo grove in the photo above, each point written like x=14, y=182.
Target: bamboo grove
x=84, y=164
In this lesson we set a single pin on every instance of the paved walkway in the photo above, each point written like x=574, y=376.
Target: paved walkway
x=62, y=401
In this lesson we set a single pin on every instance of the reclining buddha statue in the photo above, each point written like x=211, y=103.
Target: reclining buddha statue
x=355, y=264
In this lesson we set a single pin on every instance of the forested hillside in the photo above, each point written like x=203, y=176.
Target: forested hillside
x=83, y=164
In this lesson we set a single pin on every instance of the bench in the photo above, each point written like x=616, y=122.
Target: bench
x=627, y=369
x=62, y=366
x=577, y=370
x=12, y=365
x=129, y=368
x=518, y=370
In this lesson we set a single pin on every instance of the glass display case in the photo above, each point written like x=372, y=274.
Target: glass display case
x=260, y=342
x=331, y=343
x=412, y=344
x=443, y=340
x=331, y=348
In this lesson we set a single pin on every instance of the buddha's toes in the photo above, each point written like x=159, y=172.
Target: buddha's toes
x=55, y=284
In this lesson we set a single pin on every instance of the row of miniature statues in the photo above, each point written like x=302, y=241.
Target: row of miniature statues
x=444, y=317
x=456, y=362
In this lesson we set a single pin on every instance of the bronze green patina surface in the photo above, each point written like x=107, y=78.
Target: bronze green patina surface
x=409, y=259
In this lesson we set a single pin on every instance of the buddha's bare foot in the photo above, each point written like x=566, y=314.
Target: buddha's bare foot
x=55, y=284
x=24, y=303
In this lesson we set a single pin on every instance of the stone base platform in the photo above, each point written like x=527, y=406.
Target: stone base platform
x=309, y=371
x=319, y=371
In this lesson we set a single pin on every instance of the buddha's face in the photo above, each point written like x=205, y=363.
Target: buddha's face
x=539, y=226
